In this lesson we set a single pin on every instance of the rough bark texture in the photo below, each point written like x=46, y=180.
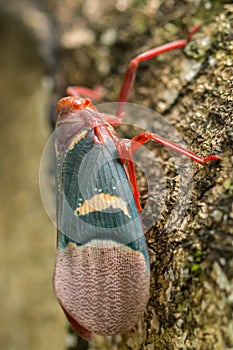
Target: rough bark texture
x=191, y=304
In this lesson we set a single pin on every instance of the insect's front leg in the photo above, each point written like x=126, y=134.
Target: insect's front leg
x=96, y=93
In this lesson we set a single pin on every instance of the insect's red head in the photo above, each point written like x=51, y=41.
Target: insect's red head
x=73, y=103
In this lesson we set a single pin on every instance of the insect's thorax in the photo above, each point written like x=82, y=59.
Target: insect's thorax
x=71, y=123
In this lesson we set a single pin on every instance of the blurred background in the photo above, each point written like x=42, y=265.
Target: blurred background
x=30, y=316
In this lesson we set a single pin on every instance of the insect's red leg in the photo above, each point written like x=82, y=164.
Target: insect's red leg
x=96, y=93
x=133, y=65
x=124, y=149
x=143, y=137
x=112, y=119
x=127, y=147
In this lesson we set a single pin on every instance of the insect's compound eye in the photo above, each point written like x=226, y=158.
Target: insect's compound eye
x=76, y=103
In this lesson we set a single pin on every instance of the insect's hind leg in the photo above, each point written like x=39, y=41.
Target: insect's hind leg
x=131, y=71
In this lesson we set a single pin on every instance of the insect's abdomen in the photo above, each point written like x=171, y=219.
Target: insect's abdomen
x=102, y=270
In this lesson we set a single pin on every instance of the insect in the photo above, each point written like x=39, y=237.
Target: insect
x=102, y=272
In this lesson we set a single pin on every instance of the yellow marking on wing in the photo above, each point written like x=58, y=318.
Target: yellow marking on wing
x=56, y=150
x=76, y=140
x=100, y=202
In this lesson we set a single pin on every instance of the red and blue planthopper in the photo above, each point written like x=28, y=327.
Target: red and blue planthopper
x=102, y=271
